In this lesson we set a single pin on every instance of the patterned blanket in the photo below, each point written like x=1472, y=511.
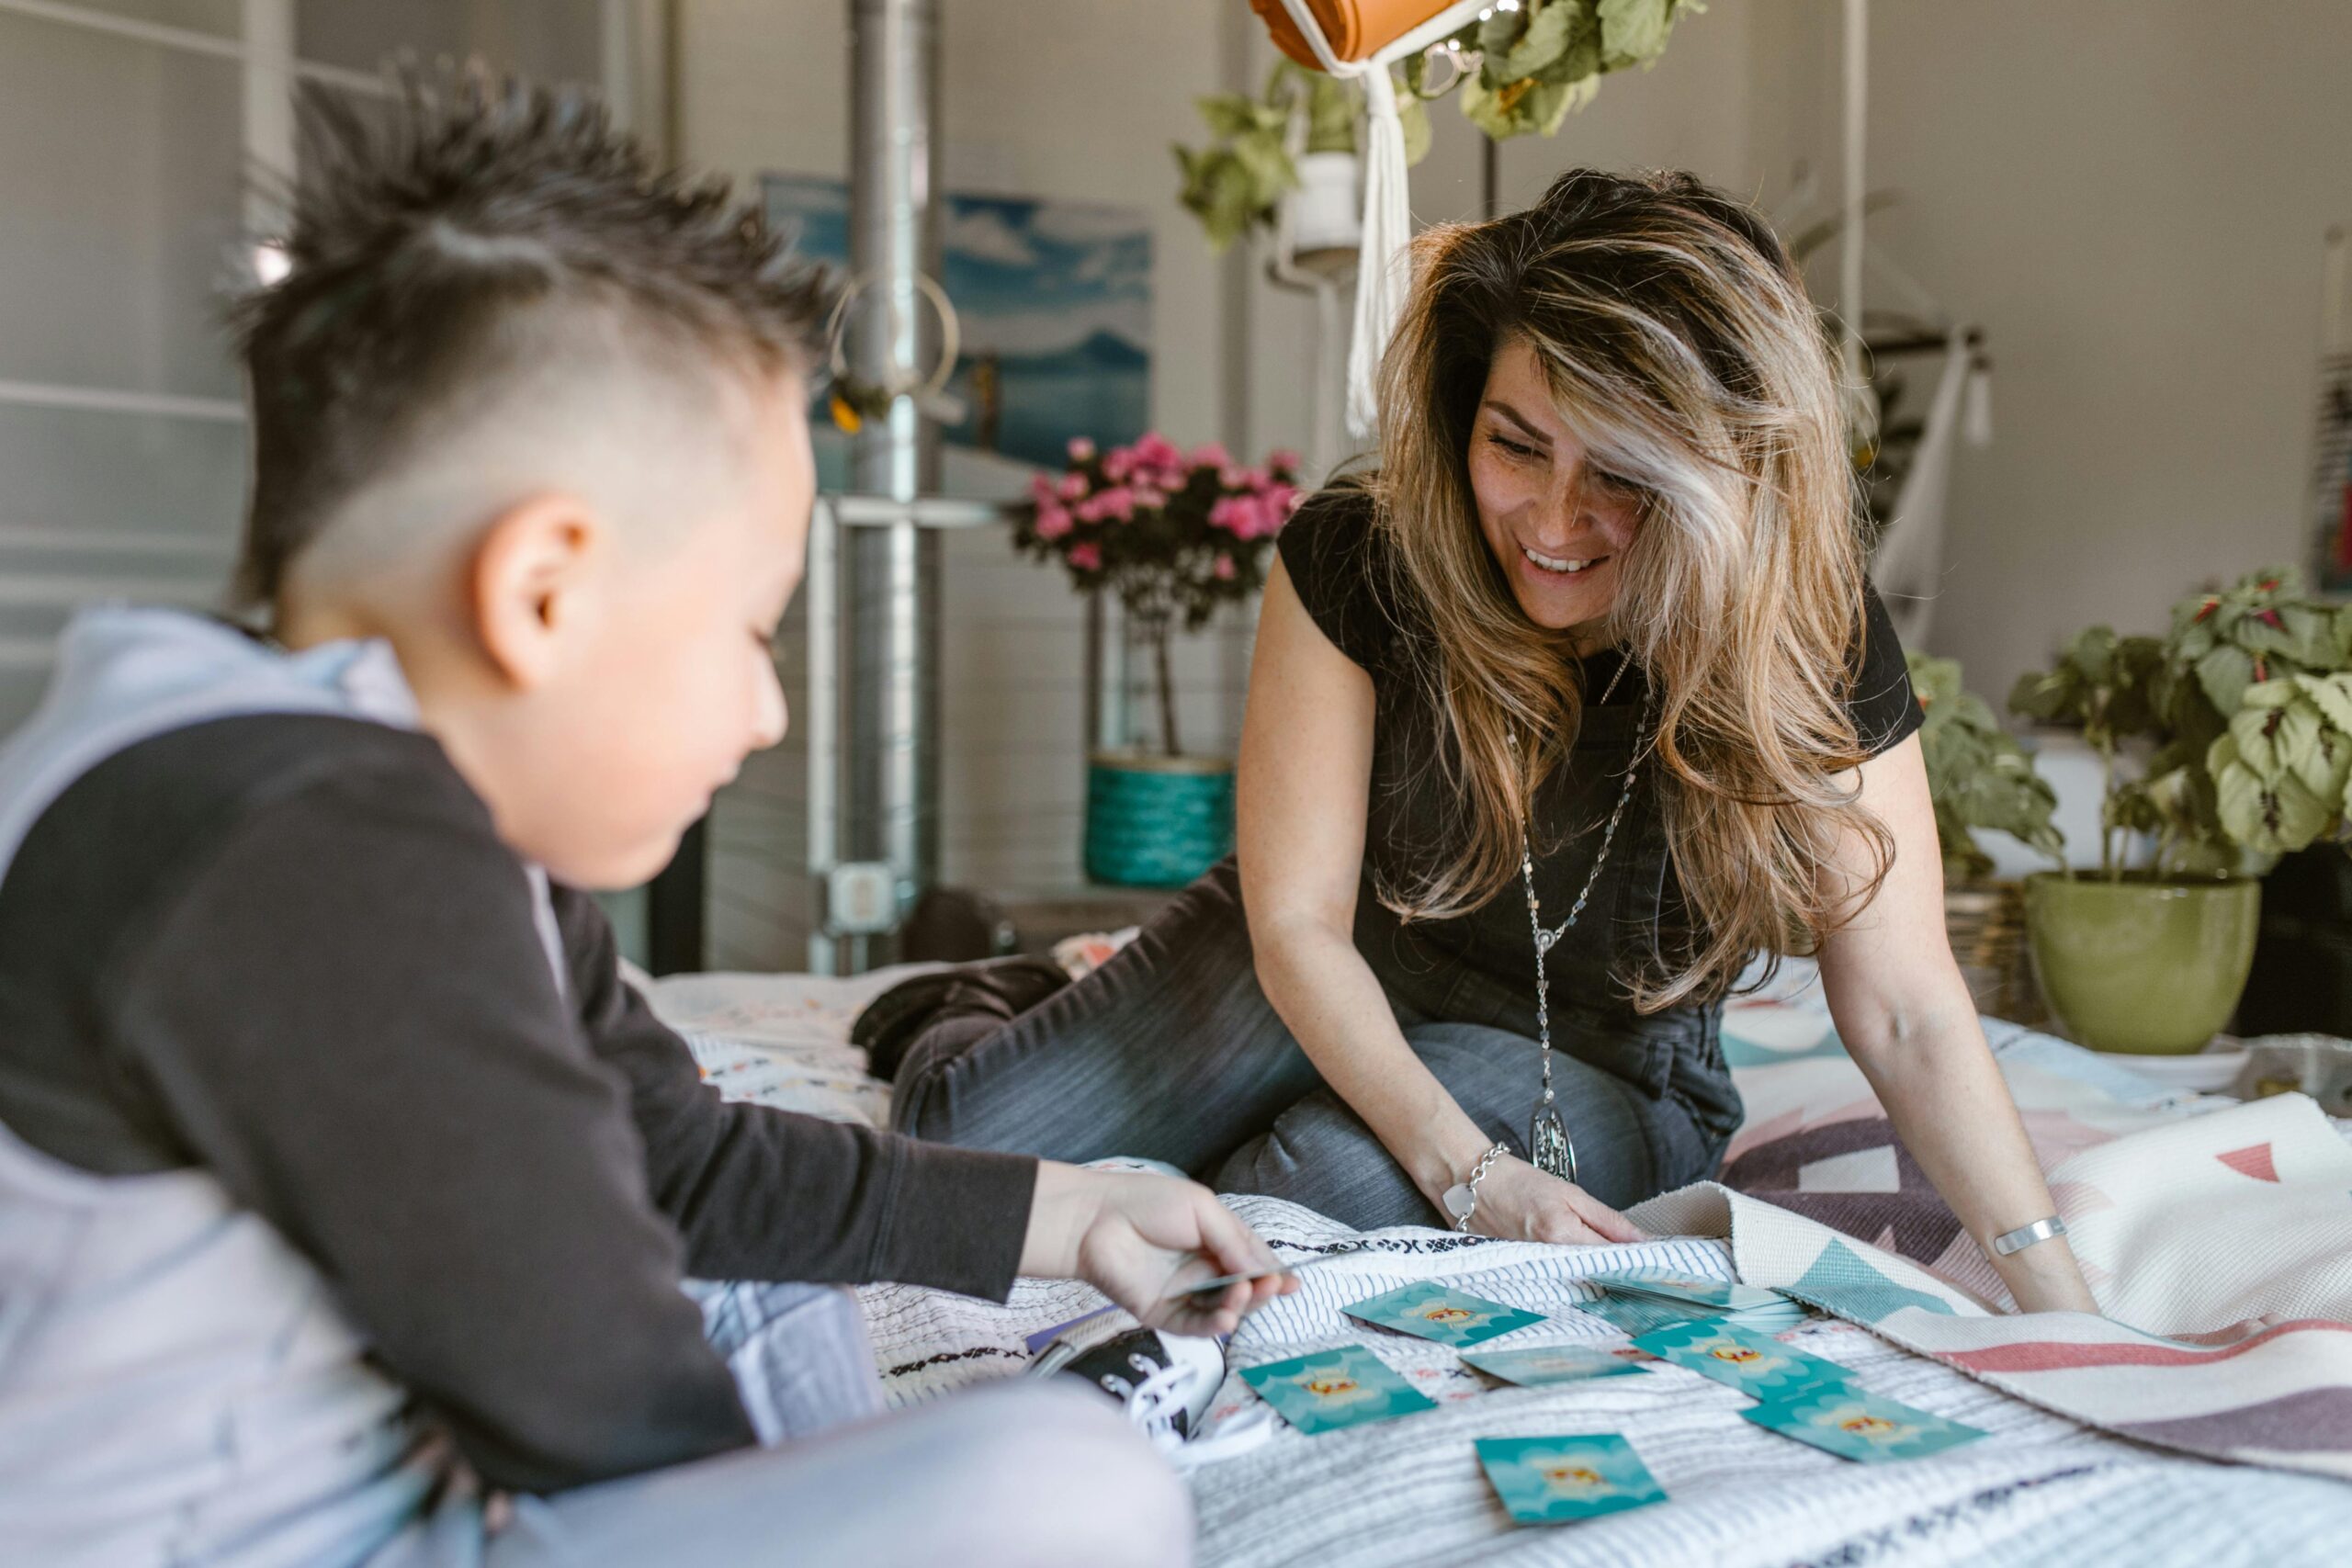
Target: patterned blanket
x=2218, y=1238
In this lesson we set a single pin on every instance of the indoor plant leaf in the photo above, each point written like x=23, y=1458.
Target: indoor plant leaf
x=1330, y=116
x=1497, y=34
x=2332, y=694
x=1483, y=108
x=1228, y=114
x=2225, y=672
x=2092, y=654
x=2296, y=745
x=1549, y=112
x=2294, y=816
x=1634, y=32
x=2255, y=724
x=2272, y=819
x=1544, y=39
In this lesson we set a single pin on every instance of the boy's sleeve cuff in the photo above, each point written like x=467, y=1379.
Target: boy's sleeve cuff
x=958, y=1220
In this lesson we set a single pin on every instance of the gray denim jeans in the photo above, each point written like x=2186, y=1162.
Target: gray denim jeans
x=1172, y=1052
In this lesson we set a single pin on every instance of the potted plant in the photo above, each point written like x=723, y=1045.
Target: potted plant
x=2238, y=707
x=1236, y=181
x=1172, y=536
x=1518, y=69
x=1980, y=777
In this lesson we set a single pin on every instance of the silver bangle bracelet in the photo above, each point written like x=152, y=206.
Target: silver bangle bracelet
x=2024, y=1237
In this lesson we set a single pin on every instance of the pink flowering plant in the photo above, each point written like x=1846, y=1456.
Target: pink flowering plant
x=1171, y=535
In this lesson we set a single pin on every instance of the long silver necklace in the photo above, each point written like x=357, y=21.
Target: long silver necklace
x=1549, y=1147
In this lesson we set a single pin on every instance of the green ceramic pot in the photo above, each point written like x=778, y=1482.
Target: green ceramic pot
x=2144, y=965
x=1155, y=821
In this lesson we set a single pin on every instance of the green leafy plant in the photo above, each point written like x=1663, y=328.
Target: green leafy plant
x=2101, y=684
x=1523, y=69
x=2282, y=772
x=1233, y=185
x=2247, y=706
x=1978, y=775
x=1543, y=59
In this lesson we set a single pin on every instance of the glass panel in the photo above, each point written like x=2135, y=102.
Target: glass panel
x=102, y=505
x=120, y=168
x=111, y=475
x=223, y=17
x=550, y=40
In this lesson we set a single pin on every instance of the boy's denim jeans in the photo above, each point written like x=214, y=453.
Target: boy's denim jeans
x=1015, y=1476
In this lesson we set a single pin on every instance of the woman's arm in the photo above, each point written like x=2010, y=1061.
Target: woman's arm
x=1305, y=785
x=1905, y=1014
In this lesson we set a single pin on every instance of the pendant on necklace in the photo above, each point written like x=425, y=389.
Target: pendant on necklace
x=1548, y=1148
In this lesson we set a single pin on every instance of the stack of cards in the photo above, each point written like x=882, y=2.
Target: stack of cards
x=1644, y=1300
x=1550, y=1481
x=1430, y=1311
x=1806, y=1397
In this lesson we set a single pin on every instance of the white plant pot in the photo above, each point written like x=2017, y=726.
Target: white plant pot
x=1327, y=210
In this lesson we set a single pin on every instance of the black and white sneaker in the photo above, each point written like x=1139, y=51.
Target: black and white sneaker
x=1164, y=1382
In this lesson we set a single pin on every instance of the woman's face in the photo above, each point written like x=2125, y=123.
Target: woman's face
x=1559, y=536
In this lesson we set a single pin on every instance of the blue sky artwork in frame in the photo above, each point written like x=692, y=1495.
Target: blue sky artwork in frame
x=1055, y=302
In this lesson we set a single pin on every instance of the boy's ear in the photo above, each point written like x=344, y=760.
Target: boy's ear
x=533, y=583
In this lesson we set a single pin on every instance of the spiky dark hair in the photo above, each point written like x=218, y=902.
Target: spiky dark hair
x=417, y=235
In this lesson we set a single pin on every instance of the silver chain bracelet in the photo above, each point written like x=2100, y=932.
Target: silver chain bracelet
x=1462, y=1197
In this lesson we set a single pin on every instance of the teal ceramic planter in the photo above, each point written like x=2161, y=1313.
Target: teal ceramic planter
x=2142, y=964
x=1155, y=821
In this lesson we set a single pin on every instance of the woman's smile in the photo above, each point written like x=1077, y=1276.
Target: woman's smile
x=1561, y=566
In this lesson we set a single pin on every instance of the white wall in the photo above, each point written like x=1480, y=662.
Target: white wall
x=2130, y=196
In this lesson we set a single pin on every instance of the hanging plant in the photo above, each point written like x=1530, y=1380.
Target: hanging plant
x=1520, y=71
x=1232, y=185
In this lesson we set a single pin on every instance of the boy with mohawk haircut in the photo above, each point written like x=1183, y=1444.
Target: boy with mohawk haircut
x=346, y=1189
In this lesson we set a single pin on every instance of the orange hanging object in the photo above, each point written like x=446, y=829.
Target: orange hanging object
x=1355, y=30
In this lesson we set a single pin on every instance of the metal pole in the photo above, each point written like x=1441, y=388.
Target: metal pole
x=1856, y=129
x=820, y=722
x=892, y=573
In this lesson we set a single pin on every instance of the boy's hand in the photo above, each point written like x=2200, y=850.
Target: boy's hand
x=1139, y=1238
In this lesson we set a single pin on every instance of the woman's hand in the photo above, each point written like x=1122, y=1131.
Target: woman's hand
x=1140, y=1239
x=1519, y=1202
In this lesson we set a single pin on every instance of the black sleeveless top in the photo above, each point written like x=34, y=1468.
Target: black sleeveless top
x=1637, y=915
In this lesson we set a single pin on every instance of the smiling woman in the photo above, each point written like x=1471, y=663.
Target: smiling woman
x=1563, y=712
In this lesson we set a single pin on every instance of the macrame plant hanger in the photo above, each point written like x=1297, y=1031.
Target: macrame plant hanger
x=1381, y=279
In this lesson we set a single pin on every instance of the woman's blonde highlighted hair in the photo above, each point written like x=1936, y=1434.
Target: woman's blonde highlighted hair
x=1682, y=349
